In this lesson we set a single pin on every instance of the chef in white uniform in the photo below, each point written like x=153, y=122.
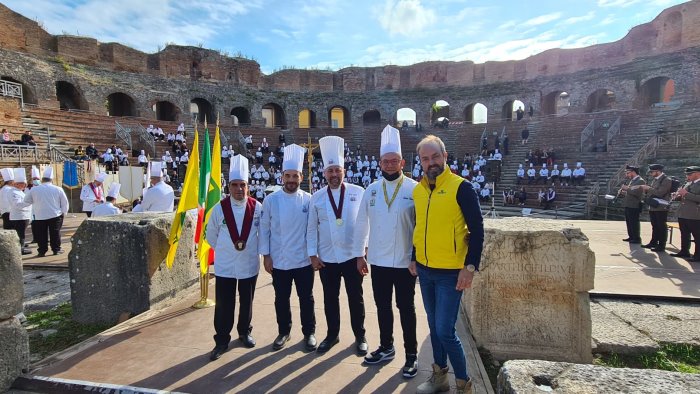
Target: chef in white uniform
x=8, y=178
x=108, y=207
x=160, y=197
x=93, y=193
x=49, y=205
x=20, y=212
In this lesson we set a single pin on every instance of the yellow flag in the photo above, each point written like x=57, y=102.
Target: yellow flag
x=188, y=199
x=205, y=252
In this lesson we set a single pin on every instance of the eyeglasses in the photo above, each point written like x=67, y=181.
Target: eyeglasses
x=392, y=162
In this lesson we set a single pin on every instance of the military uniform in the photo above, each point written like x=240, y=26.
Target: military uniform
x=658, y=215
x=633, y=206
x=689, y=217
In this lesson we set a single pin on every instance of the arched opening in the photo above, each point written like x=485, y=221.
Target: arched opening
x=28, y=95
x=406, y=115
x=307, y=118
x=513, y=109
x=120, y=104
x=476, y=113
x=240, y=116
x=655, y=91
x=274, y=115
x=672, y=32
x=202, y=109
x=69, y=97
x=556, y=103
x=165, y=110
x=600, y=100
x=371, y=118
x=339, y=117
x=439, y=109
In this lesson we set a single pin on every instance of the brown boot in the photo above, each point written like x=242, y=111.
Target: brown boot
x=463, y=386
x=437, y=383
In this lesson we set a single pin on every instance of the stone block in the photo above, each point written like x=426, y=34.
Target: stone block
x=11, y=282
x=535, y=376
x=117, y=265
x=611, y=334
x=14, y=352
x=530, y=299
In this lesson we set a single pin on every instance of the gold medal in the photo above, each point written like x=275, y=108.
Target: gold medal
x=339, y=221
x=240, y=245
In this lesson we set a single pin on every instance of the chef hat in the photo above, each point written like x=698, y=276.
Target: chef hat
x=8, y=174
x=156, y=169
x=143, y=152
x=100, y=177
x=332, y=151
x=48, y=172
x=391, y=141
x=20, y=175
x=556, y=166
x=114, y=190
x=519, y=165
x=293, y=158
x=109, y=150
x=238, y=169
x=35, y=173
x=532, y=165
x=566, y=165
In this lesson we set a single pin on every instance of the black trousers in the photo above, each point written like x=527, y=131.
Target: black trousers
x=88, y=213
x=330, y=278
x=303, y=279
x=632, y=220
x=659, y=229
x=226, y=307
x=385, y=281
x=49, y=228
x=6, y=221
x=20, y=226
x=690, y=227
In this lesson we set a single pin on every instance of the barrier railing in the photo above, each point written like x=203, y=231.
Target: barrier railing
x=587, y=133
x=12, y=89
x=123, y=134
x=613, y=130
x=645, y=152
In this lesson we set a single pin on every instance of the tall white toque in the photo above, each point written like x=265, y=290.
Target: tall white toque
x=100, y=177
x=20, y=175
x=35, y=173
x=391, y=141
x=8, y=174
x=48, y=172
x=114, y=190
x=156, y=169
x=293, y=158
x=332, y=151
x=238, y=168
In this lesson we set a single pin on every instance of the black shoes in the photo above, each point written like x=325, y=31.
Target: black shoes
x=380, y=355
x=694, y=259
x=327, y=344
x=310, y=342
x=680, y=254
x=280, y=341
x=217, y=352
x=649, y=246
x=626, y=240
x=41, y=254
x=410, y=369
x=55, y=252
x=658, y=249
x=26, y=252
x=635, y=241
x=361, y=346
x=247, y=341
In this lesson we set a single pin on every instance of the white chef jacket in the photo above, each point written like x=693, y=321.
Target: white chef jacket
x=333, y=243
x=48, y=201
x=283, y=229
x=229, y=262
x=5, y=198
x=19, y=210
x=158, y=198
x=106, y=209
x=390, y=230
x=544, y=172
x=88, y=197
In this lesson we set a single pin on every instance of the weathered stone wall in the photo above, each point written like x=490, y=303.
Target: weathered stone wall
x=531, y=298
x=117, y=266
x=10, y=115
x=534, y=376
x=14, y=342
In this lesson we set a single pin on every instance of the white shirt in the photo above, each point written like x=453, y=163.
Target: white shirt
x=4, y=199
x=158, y=198
x=143, y=159
x=283, y=229
x=531, y=172
x=88, y=197
x=19, y=210
x=521, y=172
x=566, y=172
x=544, y=172
x=386, y=232
x=229, y=262
x=48, y=201
x=106, y=209
x=333, y=243
x=555, y=172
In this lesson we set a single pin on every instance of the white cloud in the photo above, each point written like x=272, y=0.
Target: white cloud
x=405, y=17
x=542, y=19
x=577, y=19
x=617, y=3
x=608, y=20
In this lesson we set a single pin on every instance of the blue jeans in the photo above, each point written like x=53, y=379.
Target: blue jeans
x=441, y=301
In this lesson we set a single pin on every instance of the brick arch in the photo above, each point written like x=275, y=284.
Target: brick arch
x=28, y=94
x=70, y=96
x=336, y=113
x=274, y=115
x=240, y=116
x=508, y=112
x=556, y=103
x=205, y=109
x=165, y=110
x=121, y=104
x=655, y=90
x=371, y=117
x=476, y=113
x=306, y=118
x=600, y=100
x=408, y=114
x=439, y=109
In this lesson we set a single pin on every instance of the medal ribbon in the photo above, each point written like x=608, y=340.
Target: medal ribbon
x=96, y=191
x=396, y=192
x=337, y=210
x=231, y=219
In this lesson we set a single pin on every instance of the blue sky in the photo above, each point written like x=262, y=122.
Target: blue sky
x=332, y=34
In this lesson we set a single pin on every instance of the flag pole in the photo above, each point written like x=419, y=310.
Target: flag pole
x=204, y=301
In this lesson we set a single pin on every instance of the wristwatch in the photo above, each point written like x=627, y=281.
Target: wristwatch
x=470, y=268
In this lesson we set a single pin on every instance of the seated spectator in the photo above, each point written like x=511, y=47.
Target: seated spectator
x=28, y=138
x=600, y=146
x=531, y=174
x=565, y=177
x=485, y=194
x=549, y=198
x=497, y=155
x=554, y=175
x=143, y=159
x=79, y=154
x=265, y=146
x=170, y=138
x=520, y=174
x=540, y=197
x=282, y=138
x=249, y=142
x=6, y=138
x=579, y=174
x=259, y=156
x=108, y=160
x=92, y=152
x=522, y=196
x=151, y=130
x=181, y=128
x=544, y=175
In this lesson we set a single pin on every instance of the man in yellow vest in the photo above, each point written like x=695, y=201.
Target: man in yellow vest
x=448, y=241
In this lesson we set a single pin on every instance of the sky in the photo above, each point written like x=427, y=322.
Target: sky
x=333, y=34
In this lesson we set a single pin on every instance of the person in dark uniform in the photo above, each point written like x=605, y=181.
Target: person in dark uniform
x=689, y=214
x=660, y=188
x=632, y=203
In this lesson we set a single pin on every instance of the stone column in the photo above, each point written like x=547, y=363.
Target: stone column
x=117, y=265
x=530, y=299
x=14, y=342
